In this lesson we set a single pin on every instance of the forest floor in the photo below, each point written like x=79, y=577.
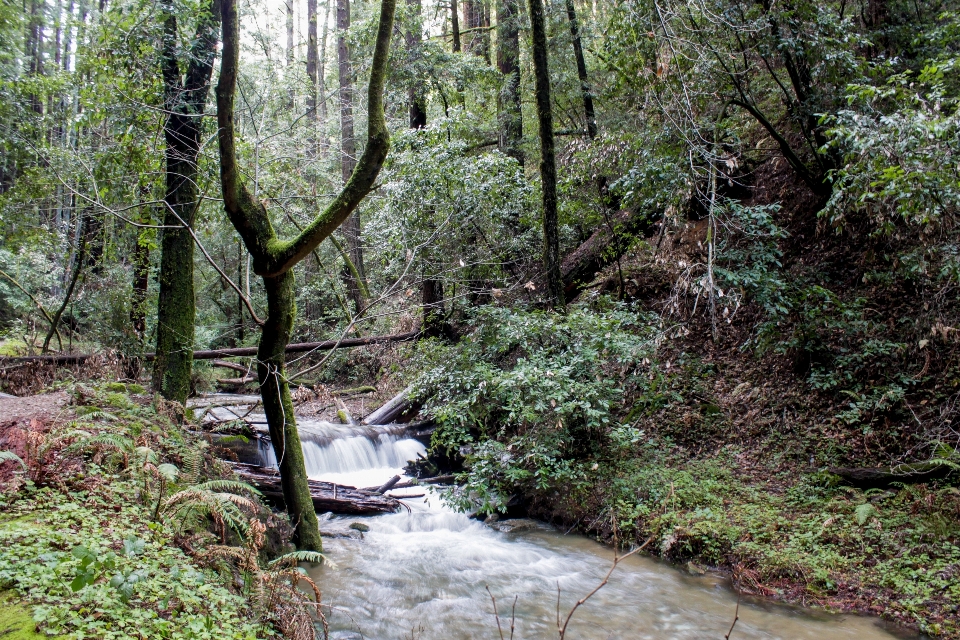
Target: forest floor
x=96, y=545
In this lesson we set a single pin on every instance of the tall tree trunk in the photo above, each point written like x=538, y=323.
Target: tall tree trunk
x=355, y=277
x=67, y=38
x=417, y=96
x=185, y=99
x=455, y=25
x=585, y=90
x=138, y=301
x=548, y=161
x=274, y=259
x=322, y=70
x=34, y=48
x=58, y=32
x=433, y=307
x=508, y=61
x=432, y=288
x=141, y=281
x=290, y=20
x=312, y=74
x=475, y=18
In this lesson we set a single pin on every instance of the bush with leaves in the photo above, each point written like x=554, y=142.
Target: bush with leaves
x=529, y=395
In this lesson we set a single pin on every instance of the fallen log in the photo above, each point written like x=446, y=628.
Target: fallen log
x=447, y=479
x=212, y=354
x=391, y=410
x=389, y=484
x=604, y=247
x=878, y=478
x=232, y=365
x=327, y=496
x=235, y=382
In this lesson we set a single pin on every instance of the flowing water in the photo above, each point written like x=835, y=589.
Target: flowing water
x=425, y=573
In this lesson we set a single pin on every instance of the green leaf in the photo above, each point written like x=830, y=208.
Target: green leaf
x=168, y=471
x=133, y=546
x=10, y=456
x=864, y=512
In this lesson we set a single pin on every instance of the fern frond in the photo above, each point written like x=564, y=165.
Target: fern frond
x=291, y=559
x=10, y=456
x=240, y=501
x=147, y=455
x=168, y=471
x=225, y=551
x=104, y=441
x=100, y=414
x=225, y=486
x=223, y=510
x=192, y=464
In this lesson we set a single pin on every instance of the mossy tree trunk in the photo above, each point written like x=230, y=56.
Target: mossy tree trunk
x=184, y=100
x=274, y=258
x=508, y=62
x=585, y=91
x=548, y=160
x=353, y=273
x=455, y=26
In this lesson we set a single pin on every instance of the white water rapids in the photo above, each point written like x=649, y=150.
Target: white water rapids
x=424, y=573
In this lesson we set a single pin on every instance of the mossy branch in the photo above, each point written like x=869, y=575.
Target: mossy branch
x=271, y=255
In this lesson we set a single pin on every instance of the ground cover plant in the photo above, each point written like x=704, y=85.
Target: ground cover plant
x=116, y=523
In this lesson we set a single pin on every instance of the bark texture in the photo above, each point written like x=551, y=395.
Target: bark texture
x=354, y=277
x=585, y=90
x=184, y=100
x=548, y=161
x=508, y=62
x=417, y=92
x=455, y=26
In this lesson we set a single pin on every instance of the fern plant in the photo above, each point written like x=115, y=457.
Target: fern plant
x=274, y=590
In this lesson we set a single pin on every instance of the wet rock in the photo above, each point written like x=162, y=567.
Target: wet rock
x=514, y=525
x=694, y=569
x=359, y=526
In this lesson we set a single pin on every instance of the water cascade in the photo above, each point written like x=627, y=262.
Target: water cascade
x=424, y=572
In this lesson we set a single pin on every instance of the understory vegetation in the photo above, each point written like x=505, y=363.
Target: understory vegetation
x=115, y=523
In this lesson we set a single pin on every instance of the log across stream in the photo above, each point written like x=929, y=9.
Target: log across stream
x=424, y=572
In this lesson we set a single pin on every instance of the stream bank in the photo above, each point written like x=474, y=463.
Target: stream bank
x=425, y=570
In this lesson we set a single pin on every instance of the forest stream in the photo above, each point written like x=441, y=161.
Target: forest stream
x=424, y=573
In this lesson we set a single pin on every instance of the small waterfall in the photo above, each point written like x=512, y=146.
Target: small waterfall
x=350, y=454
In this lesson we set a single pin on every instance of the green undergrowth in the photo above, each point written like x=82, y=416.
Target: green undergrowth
x=16, y=621
x=117, y=522
x=94, y=565
x=599, y=419
x=797, y=537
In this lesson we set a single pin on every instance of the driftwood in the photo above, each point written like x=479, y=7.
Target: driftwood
x=343, y=414
x=906, y=473
x=448, y=479
x=327, y=496
x=235, y=382
x=391, y=410
x=213, y=354
x=232, y=365
x=389, y=484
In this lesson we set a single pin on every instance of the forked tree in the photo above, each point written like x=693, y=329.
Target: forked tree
x=274, y=257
